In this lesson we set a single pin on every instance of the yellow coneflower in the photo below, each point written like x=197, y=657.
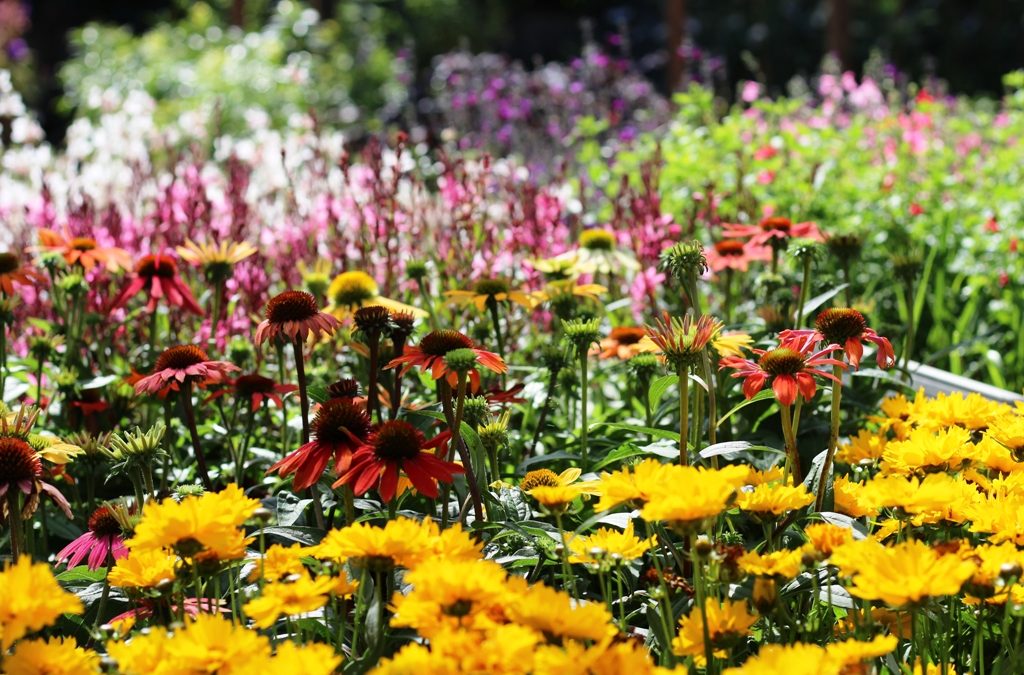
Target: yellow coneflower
x=216, y=260
x=494, y=290
x=354, y=289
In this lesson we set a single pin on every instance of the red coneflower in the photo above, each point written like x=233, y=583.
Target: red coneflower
x=397, y=447
x=181, y=364
x=13, y=271
x=84, y=251
x=294, y=315
x=102, y=539
x=339, y=428
x=157, y=275
x=257, y=389
x=430, y=352
x=735, y=254
x=847, y=328
x=791, y=368
x=772, y=228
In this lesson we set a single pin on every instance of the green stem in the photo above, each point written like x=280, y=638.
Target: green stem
x=568, y=579
x=15, y=521
x=492, y=307
x=701, y=600
x=792, y=454
x=584, y=431
x=833, y=438
x=190, y=421
x=684, y=414
x=804, y=287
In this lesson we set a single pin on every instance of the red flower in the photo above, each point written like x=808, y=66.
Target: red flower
x=846, y=328
x=397, y=447
x=916, y=209
x=256, y=389
x=181, y=364
x=102, y=540
x=339, y=428
x=735, y=254
x=157, y=275
x=790, y=367
x=12, y=271
x=430, y=353
x=773, y=227
x=294, y=315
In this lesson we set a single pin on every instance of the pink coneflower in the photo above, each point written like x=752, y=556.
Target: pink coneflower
x=773, y=228
x=791, y=368
x=257, y=389
x=735, y=254
x=157, y=276
x=847, y=328
x=183, y=364
x=430, y=352
x=102, y=540
x=394, y=448
x=294, y=315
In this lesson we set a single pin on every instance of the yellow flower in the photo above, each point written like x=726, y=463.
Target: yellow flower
x=351, y=290
x=850, y=652
x=402, y=542
x=731, y=343
x=774, y=498
x=55, y=656
x=316, y=278
x=555, y=497
x=1008, y=431
x=494, y=290
x=603, y=658
x=632, y=483
x=795, y=659
x=309, y=658
x=903, y=574
x=563, y=290
x=990, y=559
x=784, y=564
x=971, y=412
x=30, y=599
x=609, y=545
x=927, y=450
x=417, y=659
x=773, y=474
x=216, y=259
x=556, y=614
x=726, y=624
x=862, y=448
x=1002, y=516
x=994, y=455
x=598, y=252
x=826, y=537
x=850, y=498
x=53, y=449
x=281, y=598
x=692, y=495
x=279, y=562
x=548, y=478
x=207, y=525
x=143, y=568
x=468, y=594
x=938, y=496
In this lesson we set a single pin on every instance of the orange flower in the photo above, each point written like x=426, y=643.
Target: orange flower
x=12, y=271
x=622, y=343
x=430, y=353
x=790, y=367
x=84, y=251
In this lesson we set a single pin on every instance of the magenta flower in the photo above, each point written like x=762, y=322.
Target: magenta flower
x=100, y=542
x=181, y=364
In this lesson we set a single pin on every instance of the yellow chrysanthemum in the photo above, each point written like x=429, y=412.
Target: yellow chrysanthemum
x=609, y=545
x=783, y=564
x=309, y=658
x=207, y=525
x=143, y=568
x=863, y=448
x=795, y=659
x=603, y=658
x=207, y=254
x=402, y=542
x=850, y=499
x=996, y=456
x=452, y=594
x=55, y=656
x=30, y=599
x=992, y=562
x=1001, y=516
x=354, y=289
x=927, y=450
x=727, y=622
x=279, y=562
x=694, y=494
x=416, y=658
x=556, y=614
x=291, y=598
x=902, y=574
x=774, y=498
x=850, y=652
x=971, y=412
x=632, y=483
x=826, y=537
x=555, y=497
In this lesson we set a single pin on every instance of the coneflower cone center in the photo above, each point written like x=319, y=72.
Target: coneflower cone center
x=180, y=357
x=539, y=478
x=83, y=244
x=103, y=523
x=729, y=247
x=839, y=325
x=347, y=388
x=440, y=342
x=156, y=266
x=627, y=336
x=777, y=224
x=247, y=385
x=9, y=262
x=372, y=319
x=597, y=240
x=397, y=440
x=490, y=287
x=782, y=361
x=337, y=418
x=353, y=288
x=18, y=461
x=292, y=306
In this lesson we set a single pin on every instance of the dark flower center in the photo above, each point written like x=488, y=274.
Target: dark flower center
x=782, y=361
x=459, y=608
x=156, y=266
x=373, y=319
x=83, y=244
x=440, y=342
x=490, y=287
x=180, y=358
x=627, y=335
x=729, y=247
x=402, y=325
x=248, y=385
x=539, y=478
x=18, y=462
x=9, y=262
x=103, y=523
x=292, y=306
x=346, y=388
x=597, y=240
x=777, y=224
x=338, y=420
x=839, y=325
x=396, y=440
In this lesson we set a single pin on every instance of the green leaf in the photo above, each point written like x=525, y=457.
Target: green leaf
x=659, y=387
x=636, y=428
x=762, y=395
x=82, y=575
x=820, y=299
x=730, y=447
x=307, y=536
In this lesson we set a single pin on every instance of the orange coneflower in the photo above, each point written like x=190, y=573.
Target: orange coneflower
x=773, y=228
x=791, y=368
x=84, y=251
x=339, y=428
x=847, y=328
x=294, y=315
x=735, y=254
x=157, y=275
x=397, y=447
x=622, y=343
x=13, y=271
x=430, y=352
